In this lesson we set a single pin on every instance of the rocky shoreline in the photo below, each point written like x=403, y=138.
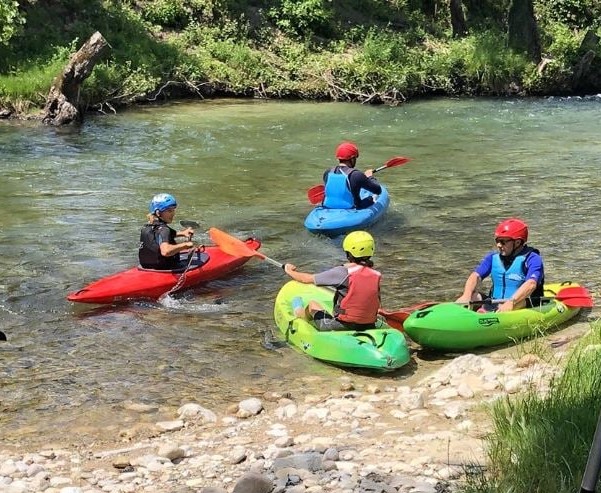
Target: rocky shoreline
x=358, y=439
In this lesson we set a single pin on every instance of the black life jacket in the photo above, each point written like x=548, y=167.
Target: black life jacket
x=149, y=253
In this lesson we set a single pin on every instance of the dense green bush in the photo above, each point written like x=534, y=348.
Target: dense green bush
x=166, y=13
x=10, y=20
x=579, y=14
x=302, y=18
x=362, y=50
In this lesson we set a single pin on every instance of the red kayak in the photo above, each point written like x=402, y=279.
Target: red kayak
x=139, y=283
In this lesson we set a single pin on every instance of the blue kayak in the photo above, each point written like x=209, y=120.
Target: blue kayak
x=335, y=222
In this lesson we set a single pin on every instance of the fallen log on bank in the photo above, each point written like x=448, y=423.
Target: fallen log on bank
x=62, y=104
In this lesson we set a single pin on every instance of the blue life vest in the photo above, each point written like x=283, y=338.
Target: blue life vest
x=338, y=190
x=505, y=282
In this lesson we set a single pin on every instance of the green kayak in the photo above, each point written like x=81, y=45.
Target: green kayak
x=380, y=349
x=452, y=326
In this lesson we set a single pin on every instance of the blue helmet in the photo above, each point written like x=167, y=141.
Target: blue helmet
x=161, y=202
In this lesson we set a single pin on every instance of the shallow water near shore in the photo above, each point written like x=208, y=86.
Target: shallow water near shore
x=74, y=201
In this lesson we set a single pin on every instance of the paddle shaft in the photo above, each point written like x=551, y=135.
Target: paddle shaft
x=593, y=464
x=182, y=278
x=271, y=261
x=499, y=301
x=380, y=168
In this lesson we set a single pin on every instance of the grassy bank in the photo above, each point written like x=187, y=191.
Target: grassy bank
x=373, y=51
x=540, y=443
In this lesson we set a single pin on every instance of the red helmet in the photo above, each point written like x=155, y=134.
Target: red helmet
x=512, y=228
x=346, y=151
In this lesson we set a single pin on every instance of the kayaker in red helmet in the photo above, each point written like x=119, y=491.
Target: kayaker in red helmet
x=516, y=271
x=357, y=297
x=343, y=182
x=158, y=248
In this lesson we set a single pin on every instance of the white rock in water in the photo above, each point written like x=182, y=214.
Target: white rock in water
x=253, y=406
x=192, y=410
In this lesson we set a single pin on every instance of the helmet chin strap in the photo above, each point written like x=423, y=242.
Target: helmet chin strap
x=514, y=250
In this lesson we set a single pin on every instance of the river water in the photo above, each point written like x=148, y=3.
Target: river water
x=73, y=202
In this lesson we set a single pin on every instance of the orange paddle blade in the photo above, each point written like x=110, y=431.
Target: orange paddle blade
x=232, y=245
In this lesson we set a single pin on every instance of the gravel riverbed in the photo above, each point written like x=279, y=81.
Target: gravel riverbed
x=356, y=438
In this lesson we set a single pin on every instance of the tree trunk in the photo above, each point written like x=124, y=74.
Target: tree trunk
x=429, y=8
x=522, y=30
x=62, y=104
x=457, y=18
x=589, y=47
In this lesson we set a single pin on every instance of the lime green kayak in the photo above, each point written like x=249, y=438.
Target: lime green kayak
x=452, y=326
x=381, y=349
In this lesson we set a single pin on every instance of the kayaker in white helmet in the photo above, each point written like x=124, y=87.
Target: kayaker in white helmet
x=357, y=297
x=516, y=271
x=158, y=248
x=343, y=182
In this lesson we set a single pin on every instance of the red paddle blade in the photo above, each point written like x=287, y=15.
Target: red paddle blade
x=575, y=297
x=316, y=194
x=397, y=318
x=393, y=162
x=232, y=245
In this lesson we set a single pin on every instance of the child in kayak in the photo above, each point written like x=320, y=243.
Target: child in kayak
x=343, y=183
x=158, y=248
x=357, y=297
x=516, y=271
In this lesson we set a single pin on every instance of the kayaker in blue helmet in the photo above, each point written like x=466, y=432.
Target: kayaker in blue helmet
x=516, y=271
x=357, y=297
x=158, y=248
x=343, y=183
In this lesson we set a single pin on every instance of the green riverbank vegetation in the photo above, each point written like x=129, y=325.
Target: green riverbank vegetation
x=374, y=51
x=540, y=443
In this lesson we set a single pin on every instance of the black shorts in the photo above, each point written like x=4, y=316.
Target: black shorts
x=325, y=321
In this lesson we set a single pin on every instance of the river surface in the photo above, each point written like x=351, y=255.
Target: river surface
x=73, y=202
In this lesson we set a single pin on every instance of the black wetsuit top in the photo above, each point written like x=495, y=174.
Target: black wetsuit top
x=151, y=237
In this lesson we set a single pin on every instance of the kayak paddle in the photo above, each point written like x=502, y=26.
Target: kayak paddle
x=571, y=296
x=574, y=297
x=233, y=246
x=316, y=193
